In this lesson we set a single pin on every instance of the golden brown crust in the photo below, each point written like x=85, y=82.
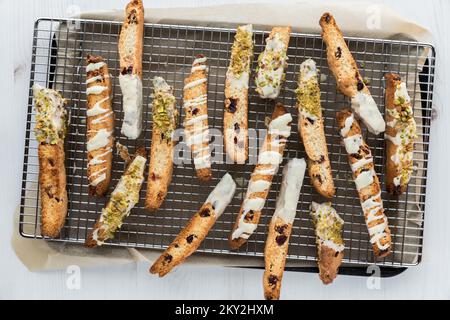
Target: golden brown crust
x=371, y=190
x=235, y=118
x=160, y=170
x=98, y=122
x=340, y=60
x=186, y=242
x=329, y=261
x=52, y=185
x=285, y=34
x=132, y=28
x=275, y=253
x=312, y=133
x=198, y=110
x=253, y=216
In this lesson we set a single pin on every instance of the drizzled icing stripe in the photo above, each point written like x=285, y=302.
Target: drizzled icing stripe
x=194, y=83
x=197, y=133
x=97, y=109
x=102, y=118
x=94, y=66
x=373, y=205
x=96, y=90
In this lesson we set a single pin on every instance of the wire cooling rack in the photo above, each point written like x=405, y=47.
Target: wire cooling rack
x=59, y=49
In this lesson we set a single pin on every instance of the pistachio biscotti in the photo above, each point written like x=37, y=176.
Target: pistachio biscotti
x=50, y=131
x=311, y=127
x=400, y=135
x=235, y=118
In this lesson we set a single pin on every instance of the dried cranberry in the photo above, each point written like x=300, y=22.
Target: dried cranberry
x=235, y=140
x=318, y=178
x=153, y=176
x=190, y=238
x=281, y=239
x=280, y=229
x=128, y=70
x=365, y=149
x=336, y=254
x=311, y=121
x=195, y=111
x=204, y=213
x=356, y=156
x=249, y=216
x=132, y=18
x=273, y=280
x=232, y=105
x=338, y=53
x=168, y=258
x=360, y=85
x=236, y=127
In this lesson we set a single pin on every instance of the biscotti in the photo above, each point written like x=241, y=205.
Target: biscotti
x=280, y=227
x=270, y=157
x=190, y=238
x=123, y=199
x=100, y=125
x=330, y=245
x=195, y=102
x=366, y=181
x=311, y=127
x=272, y=62
x=348, y=79
x=50, y=131
x=400, y=135
x=161, y=155
x=130, y=78
x=235, y=118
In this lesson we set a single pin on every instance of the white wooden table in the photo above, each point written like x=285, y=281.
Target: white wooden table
x=431, y=279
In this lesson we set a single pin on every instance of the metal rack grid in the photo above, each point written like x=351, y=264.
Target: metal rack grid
x=59, y=49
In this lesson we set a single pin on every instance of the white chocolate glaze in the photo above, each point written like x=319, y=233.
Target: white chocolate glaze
x=360, y=163
x=222, y=194
x=196, y=120
x=271, y=70
x=128, y=187
x=347, y=125
x=364, y=179
x=308, y=70
x=270, y=157
x=194, y=83
x=94, y=66
x=100, y=140
x=293, y=174
x=281, y=125
x=96, y=90
x=353, y=143
x=97, y=109
x=366, y=108
x=102, y=118
x=255, y=186
x=325, y=217
x=131, y=86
